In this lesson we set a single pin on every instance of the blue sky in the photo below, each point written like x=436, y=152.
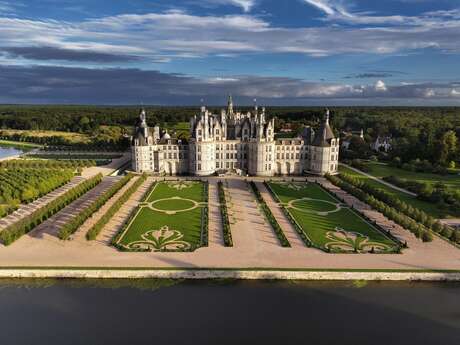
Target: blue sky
x=299, y=52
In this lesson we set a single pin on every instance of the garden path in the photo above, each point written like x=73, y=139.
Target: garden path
x=80, y=234
x=216, y=236
x=380, y=180
x=117, y=222
x=249, y=227
x=51, y=226
x=278, y=213
x=27, y=209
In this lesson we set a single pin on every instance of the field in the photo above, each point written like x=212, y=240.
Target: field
x=382, y=170
x=425, y=206
x=328, y=223
x=169, y=219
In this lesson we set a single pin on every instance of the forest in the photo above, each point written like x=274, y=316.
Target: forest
x=423, y=133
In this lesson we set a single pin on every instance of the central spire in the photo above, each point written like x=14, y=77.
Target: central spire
x=230, y=105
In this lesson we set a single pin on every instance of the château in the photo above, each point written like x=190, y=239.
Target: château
x=231, y=141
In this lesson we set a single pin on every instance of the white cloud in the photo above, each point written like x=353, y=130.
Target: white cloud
x=178, y=34
x=380, y=86
x=246, y=5
x=455, y=93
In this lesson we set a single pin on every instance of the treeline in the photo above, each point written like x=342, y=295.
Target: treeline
x=228, y=240
x=46, y=164
x=446, y=199
x=269, y=216
x=72, y=225
x=26, y=224
x=409, y=217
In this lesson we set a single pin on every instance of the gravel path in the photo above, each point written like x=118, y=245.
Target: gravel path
x=379, y=180
x=216, y=236
x=283, y=221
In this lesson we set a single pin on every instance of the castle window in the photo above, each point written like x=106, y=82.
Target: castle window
x=217, y=165
x=199, y=166
x=217, y=156
x=199, y=132
x=277, y=156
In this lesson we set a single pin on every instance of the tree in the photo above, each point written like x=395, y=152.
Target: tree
x=447, y=148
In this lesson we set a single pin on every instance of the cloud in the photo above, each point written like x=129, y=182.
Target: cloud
x=380, y=86
x=246, y=5
x=369, y=75
x=52, y=53
x=335, y=10
x=178, y=34
x=51, y=84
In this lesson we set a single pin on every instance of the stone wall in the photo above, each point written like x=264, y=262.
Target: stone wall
x=227, y=274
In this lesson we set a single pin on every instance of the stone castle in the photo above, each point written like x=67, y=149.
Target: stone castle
x=231, y=141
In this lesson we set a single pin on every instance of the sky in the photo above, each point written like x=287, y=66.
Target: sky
x=188, y=52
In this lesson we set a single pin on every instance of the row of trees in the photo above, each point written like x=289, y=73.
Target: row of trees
x=46, y=164
x=25, y=185
x=419, y=230
x=71, y=226
x=228, y=241
x=94, y=231
x=26, y=224
x=406, y=215
x=269, y=216
x=438, y=193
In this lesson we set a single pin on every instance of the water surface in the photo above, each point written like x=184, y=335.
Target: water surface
x=227, y=312
x=9, y=151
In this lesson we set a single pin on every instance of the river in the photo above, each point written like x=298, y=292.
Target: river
x=9, y=151
x=227, y=312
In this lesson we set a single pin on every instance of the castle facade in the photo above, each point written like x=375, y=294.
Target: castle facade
x=231, y=141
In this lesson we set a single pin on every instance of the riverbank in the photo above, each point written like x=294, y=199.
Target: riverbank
x=245, y=274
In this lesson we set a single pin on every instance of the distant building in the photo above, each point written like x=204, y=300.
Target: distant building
x=234, y=142
x=381, y=144
x=346, y=140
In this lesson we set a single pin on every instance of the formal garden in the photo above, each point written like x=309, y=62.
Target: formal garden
x=172, y=217
x=328, y=224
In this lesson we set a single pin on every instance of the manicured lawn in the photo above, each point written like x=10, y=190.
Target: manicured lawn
x=173, y=229
x=382, y=170
x=425, y=206
x=321, y=217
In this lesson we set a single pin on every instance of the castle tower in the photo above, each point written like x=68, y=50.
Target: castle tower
x=325, y=149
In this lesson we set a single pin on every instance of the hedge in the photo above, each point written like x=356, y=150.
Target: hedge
x=94, y=231
x=269, y=216
x=412, y=214
x=72, y=225
x=205, y=216
x=128, y=220
x=228, y=241
x=25, y=225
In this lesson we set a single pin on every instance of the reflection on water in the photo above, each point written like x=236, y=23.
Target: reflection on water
x=227, y=312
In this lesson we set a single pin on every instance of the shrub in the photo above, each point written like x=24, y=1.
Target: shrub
x=72, y=225
x=23, y=226
x=228, y=241
x=269, y=216
x=94, y=231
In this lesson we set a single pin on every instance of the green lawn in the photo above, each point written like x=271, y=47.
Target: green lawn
x=382, y=170
x=321, y=228
x=425, y=206
x=171, y=230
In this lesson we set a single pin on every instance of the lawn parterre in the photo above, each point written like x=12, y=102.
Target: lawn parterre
x=171, y=218
x=329, y=224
